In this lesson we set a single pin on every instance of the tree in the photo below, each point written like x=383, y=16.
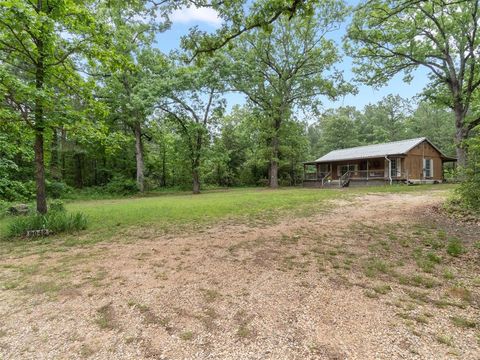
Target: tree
x=122, y=93
x=42, y=43
x=241, y=17
x=434, y=122
x=293, y=151
x=285, y=67
x=389, y=37
x=335, y=129
x=469, y=190
x=385, y=121
x=15, y=153
x=191, y=97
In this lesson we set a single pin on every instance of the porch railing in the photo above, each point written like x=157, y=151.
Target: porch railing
x=379, y=174
x=376, y=174
x=325, y=177
x=317, y=177
x=344, y=179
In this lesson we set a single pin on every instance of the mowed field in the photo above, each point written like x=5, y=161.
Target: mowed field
x=371, y=273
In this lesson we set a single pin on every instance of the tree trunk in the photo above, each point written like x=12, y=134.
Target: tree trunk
x=273, y=174
x=78, y=171
x=292, y=174
x=63, y=144
x=461, y=130
x=95, y=172
x=461, y=134
x=196, y=180
x=40, y=172
x=164, y=167
x=41, y=196
x=139, y=157
x=54, y=161
x=273, y=170
x=196, y=162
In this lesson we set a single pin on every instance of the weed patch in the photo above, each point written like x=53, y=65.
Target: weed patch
x=463, y=322
x=186, y=335
x=444, y=339
x=106, y=317
x=455, y=247
x=374, y=267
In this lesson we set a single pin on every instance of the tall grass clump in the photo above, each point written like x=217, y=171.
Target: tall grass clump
x=469, y=190
x=56, y=221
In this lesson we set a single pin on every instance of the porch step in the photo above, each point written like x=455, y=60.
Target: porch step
x=334, y=183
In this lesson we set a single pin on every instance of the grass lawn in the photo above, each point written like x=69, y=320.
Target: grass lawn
x=248, y=271
x=165, y=212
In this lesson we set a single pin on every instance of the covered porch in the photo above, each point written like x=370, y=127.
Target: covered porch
x=342, y=173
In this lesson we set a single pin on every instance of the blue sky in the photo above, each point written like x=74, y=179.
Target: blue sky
x=206, y=19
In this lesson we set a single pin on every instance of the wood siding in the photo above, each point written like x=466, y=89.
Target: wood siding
x=414, y=162
x=409, y=166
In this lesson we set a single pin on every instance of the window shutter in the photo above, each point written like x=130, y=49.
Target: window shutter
x=424, y=168
x=431, y=168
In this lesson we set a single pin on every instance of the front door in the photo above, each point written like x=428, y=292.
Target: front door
x=393, y=167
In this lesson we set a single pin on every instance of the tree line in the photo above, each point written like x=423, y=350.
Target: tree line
x=87, y=99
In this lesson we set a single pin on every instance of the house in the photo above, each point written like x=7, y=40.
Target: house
x=407, y=161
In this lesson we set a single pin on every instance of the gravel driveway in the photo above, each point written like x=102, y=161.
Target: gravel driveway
x=371, y=279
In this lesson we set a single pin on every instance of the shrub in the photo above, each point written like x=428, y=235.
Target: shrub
x=12, y=190
x=54, y=221
x=455, y=247
x=3, y=208
x=469, y=190
x=57, y=189
x=121, y=186
x=57, y=206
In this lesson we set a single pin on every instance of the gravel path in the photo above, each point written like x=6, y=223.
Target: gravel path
x=293, y=290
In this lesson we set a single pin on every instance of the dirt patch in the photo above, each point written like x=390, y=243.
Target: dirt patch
x=371, y=279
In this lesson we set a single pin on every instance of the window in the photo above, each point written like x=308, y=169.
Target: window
x=428, y=166
x=342, y=169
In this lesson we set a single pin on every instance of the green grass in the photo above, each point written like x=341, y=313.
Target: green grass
x=445, y=339
x=245, y=204
x=463, y=322
x=56, y=222
x=455, y=247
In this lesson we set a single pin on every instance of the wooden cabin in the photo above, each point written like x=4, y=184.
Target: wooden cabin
x=413, y=161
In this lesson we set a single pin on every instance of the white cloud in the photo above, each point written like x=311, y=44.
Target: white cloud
x=194, y=15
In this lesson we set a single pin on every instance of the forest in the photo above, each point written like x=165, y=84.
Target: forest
x=153, y=201
x=89, y=106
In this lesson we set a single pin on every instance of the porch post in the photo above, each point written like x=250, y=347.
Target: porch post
x=367, y=169
x=316, y=169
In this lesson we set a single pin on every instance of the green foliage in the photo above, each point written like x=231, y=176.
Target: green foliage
x=434, y=122
x=387, y=38
x=469, y=190
x=120, y=185
x=286, y=67
x=57, y=206
x=4, y=206
x=15, y=158
x=57, y=189
x=13, y=190
x=105, y=81
x=455, y=247
x=391, y=119
x=335, y=129
x=55, y=221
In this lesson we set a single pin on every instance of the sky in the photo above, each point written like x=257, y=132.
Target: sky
x=207, y=20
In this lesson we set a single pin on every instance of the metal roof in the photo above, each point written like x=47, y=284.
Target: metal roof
x=374, y=151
